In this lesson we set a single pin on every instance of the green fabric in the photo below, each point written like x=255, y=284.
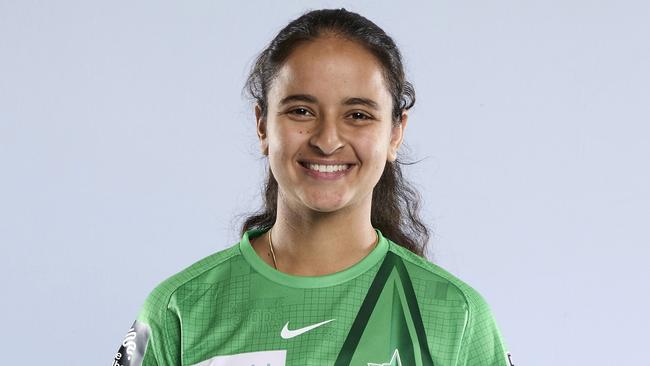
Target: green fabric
x=391, y=308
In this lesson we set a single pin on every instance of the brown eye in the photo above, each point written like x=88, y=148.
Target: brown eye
x=361, y=115
x=299, y=111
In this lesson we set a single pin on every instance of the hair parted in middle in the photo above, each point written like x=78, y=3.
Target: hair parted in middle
x=395, y=202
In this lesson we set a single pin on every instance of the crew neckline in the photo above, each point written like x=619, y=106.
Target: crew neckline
x=290, y=280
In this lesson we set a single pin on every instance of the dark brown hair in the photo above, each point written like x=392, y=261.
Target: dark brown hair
x=395, y=203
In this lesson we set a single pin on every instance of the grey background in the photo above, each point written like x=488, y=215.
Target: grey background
x=127, y=152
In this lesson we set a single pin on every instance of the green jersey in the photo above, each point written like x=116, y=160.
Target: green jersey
x=392, y=308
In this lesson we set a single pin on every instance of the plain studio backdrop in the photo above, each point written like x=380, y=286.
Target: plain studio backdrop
x=127, y=152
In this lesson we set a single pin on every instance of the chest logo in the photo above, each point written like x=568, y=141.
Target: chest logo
x=389, y=319
x=287, y=333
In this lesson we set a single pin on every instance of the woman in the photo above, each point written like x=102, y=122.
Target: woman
x=332, y=272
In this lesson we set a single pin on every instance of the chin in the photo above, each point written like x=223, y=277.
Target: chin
x=326, y=204
x=326, y=209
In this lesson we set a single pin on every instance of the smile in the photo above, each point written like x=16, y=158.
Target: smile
x=326, y=171
x=326, y=168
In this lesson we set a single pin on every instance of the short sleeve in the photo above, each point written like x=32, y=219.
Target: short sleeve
x=482, y=343
x=154, y=338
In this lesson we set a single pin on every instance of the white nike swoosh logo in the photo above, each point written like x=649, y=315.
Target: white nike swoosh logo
x=286, y=333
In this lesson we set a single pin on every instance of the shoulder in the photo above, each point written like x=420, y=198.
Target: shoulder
x=437, y=281
x=482, y=342
x=208, y=269
x=155, y=336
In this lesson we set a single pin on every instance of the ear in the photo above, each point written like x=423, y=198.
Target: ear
x=261, y=130
x=396, y=137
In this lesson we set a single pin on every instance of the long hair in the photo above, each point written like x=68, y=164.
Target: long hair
x=395, y=203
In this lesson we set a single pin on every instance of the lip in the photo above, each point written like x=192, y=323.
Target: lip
x=325, y=175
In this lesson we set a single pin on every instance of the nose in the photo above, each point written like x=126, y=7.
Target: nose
x=326, y=136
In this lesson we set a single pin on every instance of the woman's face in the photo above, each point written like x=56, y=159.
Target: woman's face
x=329, y=106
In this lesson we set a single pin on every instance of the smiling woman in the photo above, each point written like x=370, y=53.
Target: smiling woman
x=336, y=256
x=315, y=117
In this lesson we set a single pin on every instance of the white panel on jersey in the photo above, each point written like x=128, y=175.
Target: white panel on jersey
x=261, y=358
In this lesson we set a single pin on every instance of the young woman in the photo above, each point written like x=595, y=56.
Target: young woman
x=332, y=271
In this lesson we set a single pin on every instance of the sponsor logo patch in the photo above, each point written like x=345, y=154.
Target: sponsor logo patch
x=133, y=346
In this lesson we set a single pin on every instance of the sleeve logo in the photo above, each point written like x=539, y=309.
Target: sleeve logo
x=132, y=349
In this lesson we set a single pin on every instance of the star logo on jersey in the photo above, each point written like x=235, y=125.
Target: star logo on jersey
x=394, y=361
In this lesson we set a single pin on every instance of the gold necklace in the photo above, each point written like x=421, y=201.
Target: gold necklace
x=273, y=253
x=271, y=246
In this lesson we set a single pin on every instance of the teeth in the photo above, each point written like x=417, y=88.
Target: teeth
x=327, y=168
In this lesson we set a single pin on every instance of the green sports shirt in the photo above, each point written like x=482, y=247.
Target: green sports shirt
x=392, y=308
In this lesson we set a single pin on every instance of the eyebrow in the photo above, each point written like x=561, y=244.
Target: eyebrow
x=312, y=99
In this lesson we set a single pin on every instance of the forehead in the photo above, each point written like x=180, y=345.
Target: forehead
x=331, y=68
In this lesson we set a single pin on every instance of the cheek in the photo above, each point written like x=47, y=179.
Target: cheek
x=372, y=153
x=286, y=142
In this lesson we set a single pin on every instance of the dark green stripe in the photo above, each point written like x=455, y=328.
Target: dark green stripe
x=360, y=322
x=415, y=312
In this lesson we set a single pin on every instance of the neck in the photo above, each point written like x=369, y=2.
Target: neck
x=318, y=243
